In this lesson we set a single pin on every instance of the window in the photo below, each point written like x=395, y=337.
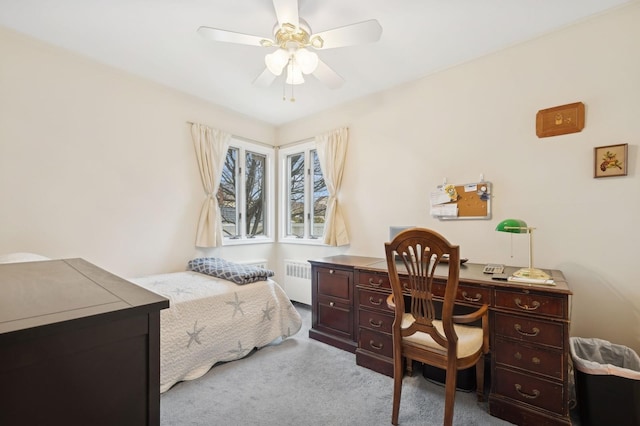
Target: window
x=245, y=193
x=303, y=192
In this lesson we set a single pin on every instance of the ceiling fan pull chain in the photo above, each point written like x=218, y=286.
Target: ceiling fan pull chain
x=284, y=90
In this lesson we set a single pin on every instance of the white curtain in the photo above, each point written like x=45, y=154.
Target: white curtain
x=211, y=150
x=332, y=152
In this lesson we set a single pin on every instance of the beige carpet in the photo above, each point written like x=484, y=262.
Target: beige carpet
x=304, y=382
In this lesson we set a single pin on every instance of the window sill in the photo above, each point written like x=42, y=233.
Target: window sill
x=246, y=241
x=304, y=241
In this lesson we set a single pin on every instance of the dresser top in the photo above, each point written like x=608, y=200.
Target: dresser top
x=34, y=294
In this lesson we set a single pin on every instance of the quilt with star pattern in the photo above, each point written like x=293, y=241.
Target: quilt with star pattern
x=212, y=320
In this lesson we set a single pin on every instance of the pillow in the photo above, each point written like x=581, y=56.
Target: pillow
x=21, y=257
x=230, y=271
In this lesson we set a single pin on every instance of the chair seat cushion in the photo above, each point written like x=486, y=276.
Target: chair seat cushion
x=469, y=338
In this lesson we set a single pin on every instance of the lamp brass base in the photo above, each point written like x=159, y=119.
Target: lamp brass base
x=532, y=273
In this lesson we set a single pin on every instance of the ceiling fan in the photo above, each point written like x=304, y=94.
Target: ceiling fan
x=295, y=43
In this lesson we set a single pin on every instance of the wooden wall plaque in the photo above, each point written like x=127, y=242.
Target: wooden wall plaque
x=560, y=120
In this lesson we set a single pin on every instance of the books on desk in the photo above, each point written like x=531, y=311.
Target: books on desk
x=535, y=281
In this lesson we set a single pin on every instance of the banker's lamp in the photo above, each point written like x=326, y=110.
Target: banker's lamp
x=517, y=226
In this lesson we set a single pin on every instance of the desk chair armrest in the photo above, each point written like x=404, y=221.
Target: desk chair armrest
x=390, y=303
x=471, y=317
x=474, y=316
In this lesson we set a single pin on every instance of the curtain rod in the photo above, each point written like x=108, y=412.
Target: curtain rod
x=294, y=143
x=242, y=138
x=286, y=145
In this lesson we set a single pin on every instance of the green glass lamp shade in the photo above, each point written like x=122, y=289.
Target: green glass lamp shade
x=515, y=226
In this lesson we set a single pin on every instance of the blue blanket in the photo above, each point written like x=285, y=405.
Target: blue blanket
x=235, y=272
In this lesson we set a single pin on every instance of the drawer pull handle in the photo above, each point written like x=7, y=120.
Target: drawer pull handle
x=375, y=346
x=375, y=284
x=331, y=271
x=331, y=304
x=535, y=305
x=535, y=330
x=374, y=302
x=536, y=392
x=534, y=360
x=375, y=324
x=471, y=299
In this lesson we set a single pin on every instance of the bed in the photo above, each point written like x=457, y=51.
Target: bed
x=213, y=320
x=210, y=320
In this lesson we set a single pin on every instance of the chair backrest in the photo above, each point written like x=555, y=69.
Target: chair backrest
x=419, y=251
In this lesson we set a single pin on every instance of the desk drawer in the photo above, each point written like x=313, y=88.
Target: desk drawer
x=334, y=283
x=529, y=330
x=530, y=390
x=542, y=361
x=373, y=300
x=373, y=280
x=376, y=321
x=476, y=295
x=531, y=303
x=375, y=342
x=335, y=316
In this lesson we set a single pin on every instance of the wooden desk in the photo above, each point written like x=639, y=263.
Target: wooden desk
x=80, y=346
x=529, y=327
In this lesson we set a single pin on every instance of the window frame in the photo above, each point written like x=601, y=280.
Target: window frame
x=305, y=148
x=269, y=220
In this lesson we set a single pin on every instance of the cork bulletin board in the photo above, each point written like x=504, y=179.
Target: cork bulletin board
x=464, y=201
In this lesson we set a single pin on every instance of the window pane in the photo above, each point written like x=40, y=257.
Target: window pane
x=227, y=194
x=295, y=195
x=255, y=192
x=320, y=196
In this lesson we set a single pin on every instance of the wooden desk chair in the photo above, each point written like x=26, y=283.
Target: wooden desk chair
x=417, y=334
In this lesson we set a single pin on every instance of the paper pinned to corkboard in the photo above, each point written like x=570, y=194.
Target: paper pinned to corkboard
x=472, y=201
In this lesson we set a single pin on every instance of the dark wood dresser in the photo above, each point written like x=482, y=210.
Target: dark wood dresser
x=78, y=346
x=529, y=327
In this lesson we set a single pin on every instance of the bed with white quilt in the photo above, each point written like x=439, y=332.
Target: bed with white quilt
x=213, y=320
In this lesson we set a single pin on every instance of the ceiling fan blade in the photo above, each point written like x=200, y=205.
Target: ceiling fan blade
x=264, y=79
x=286, y=11
x=217, y=34
x=349, y=35
x=328, y=76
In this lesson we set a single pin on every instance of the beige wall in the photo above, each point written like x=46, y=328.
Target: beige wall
x=479, y=118
x=98, y=164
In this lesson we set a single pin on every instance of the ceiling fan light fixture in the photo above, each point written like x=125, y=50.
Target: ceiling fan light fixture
x=294, y=74
x=276, y=61
x=307, y=60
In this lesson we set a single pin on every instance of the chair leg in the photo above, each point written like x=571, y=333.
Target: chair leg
x=449, y=396
x=409, y=367
x=398, y=373
x=480, y=379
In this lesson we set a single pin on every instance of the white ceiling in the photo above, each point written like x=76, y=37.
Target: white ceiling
x=157, y=39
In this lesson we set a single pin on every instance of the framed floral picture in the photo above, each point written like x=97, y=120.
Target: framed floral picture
x=610, y=160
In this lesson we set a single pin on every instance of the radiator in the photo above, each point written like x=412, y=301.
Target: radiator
x=297, y=281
